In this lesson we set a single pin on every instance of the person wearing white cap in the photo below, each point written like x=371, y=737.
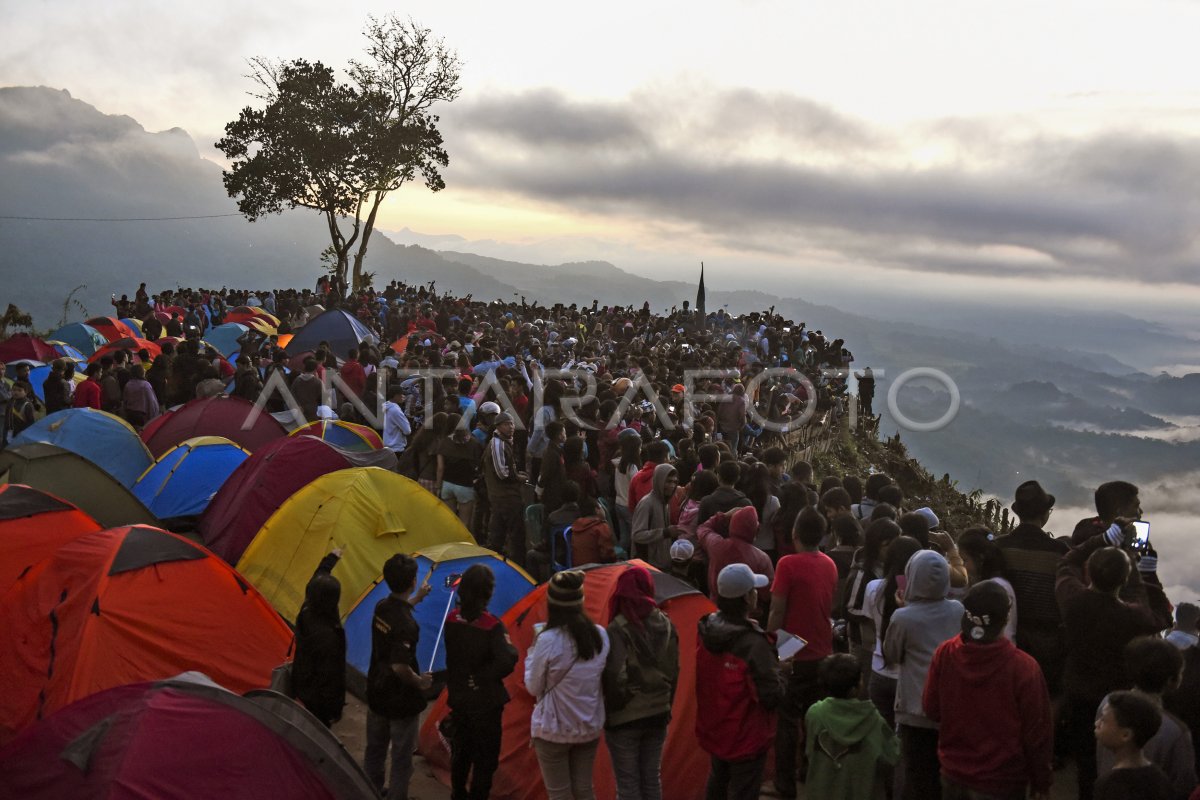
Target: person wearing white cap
x=682, y=565
x=739, y=686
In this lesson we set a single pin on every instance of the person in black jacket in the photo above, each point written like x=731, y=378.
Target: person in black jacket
x=319, y=671
x=395, y=686
x=479, y=656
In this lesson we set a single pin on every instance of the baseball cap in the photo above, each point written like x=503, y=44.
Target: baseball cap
x=736, y=580
x=490, y=407
x=682, y=550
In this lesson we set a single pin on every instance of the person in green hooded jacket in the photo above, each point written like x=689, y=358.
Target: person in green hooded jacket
x=847, y=738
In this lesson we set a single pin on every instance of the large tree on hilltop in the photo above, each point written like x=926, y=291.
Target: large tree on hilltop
x=341, y=147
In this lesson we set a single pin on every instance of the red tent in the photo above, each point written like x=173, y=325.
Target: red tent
x=684, y=765
x=33, y=524
x=111, y=328
x=232, y=417
x=24, y=346
x=130, y=343
x=129, y=604
x=262, y=482
x=181, y=738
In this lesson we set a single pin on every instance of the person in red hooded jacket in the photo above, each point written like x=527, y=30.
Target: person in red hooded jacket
x=997, y=734
x=738, y=687
x=728, y=538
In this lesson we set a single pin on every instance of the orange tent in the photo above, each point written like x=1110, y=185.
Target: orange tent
x=111, y=328
x=684, y=765
x=33, y=524
x=125, y=605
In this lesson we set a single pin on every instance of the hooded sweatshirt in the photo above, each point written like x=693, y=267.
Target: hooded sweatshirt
x=652, y=521
x=997, y=733
x=845, y=739
x=916, y=630
x=728, y=538
x=738, y=687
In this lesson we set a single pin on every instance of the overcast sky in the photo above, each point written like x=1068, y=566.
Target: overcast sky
x=964, y=148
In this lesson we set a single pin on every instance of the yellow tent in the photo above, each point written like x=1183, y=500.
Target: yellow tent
x=370, y=513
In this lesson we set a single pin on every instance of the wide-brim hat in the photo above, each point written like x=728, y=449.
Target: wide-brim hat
x=1031, y=500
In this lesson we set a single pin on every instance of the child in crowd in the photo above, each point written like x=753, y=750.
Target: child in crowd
x=1127, y=722
x=1156, y=667
x=846, y=737
x=997, y=735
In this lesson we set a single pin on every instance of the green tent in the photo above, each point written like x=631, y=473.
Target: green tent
x=75, y=479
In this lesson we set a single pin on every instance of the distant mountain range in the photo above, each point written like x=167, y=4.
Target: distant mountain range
x=1059, y=412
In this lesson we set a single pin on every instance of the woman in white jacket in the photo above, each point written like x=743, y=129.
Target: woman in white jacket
x=563, y=671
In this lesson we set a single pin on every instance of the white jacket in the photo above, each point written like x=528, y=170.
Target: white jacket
x=570, y=700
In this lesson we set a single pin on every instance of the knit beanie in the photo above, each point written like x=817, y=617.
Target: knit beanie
x=565, y=588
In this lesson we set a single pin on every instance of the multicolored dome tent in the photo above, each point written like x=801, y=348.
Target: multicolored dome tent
x=143, y=739
x=185, y=478
x=369, y=513
x=73, y=478
x=271, y=475
x=124, y=605
x=341, y=329
x=65, y=350
x=253, y=316
x=81, y=336
x=441, y=565
x=519, y=777
x=347, y=435
x=132, y=344
x=33, y=524
x=234, y=418
x=105, y=439
x=111, y=328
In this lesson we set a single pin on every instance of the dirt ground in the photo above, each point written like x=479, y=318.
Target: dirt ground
x=352, y=730
x=353, y=727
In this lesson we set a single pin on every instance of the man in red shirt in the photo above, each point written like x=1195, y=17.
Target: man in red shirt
x=801, y=605
x=87, y=394
x=353, y=374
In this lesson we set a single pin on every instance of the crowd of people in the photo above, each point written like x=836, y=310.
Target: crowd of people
x=874, y=652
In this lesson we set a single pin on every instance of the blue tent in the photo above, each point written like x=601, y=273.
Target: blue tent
x=186, y=477
x=225, y=338
x=67, y=351
x=340, y=329
x=83, y=338
x=106, y=440
x=446, y=562
x=38, y=375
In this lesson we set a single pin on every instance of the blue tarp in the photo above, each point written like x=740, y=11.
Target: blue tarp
x=181, y=483
x=340, y=329
x=105, y=440
x=446, y=562
x=83, y=338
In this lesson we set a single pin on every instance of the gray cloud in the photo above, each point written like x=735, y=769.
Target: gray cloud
x=778, y=173
x=547, y=117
